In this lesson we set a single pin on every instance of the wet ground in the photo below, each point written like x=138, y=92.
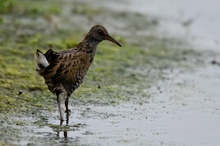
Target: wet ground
x=182, y=111
x=191, y=20
x=180, y=105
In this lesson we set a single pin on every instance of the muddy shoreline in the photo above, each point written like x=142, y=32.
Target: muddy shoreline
x=153, y=91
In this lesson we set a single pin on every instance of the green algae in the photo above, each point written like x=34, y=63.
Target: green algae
x=85, y=10
x=3, y=143
x=6, y=6
x=30, y=8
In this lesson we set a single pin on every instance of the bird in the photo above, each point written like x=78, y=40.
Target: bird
x=65, y=71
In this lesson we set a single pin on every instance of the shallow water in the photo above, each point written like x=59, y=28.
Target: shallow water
x=183, y=111
x=194, y=20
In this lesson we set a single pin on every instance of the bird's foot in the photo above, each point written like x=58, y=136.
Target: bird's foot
x=68, y=111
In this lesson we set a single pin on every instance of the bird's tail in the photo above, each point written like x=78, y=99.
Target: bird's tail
x=41, y=60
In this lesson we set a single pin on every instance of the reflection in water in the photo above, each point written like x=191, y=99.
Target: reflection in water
x=64, y=134
x=68, y=134
x=64, y=131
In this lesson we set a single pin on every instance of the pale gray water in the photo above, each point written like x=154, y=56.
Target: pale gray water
x=173, y=16
x=185, y=110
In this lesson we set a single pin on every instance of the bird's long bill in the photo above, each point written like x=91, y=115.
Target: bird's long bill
x=108, y=37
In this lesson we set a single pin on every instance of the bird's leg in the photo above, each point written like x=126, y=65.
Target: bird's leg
x=65, y=134
x=67, y=109
x=59, y=107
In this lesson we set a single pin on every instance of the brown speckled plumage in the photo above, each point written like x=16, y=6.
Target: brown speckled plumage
x=64, y=71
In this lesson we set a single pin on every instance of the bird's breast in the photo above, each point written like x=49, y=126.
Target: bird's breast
x=79, y=66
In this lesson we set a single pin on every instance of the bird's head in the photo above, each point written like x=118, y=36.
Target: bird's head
x=99, y=33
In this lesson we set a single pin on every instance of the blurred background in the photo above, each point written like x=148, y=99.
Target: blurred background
x=160, y=88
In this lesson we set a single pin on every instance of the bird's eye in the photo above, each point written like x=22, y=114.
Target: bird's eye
x=100, y=32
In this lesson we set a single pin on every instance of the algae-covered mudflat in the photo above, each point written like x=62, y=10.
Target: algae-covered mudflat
x=127, y=91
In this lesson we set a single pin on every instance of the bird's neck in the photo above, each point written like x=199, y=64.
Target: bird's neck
x=90, y=45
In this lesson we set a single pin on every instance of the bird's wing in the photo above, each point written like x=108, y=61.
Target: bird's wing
x=70, y=69
x=67, y=72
